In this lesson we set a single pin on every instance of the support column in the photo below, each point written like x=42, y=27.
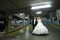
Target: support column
x=9, y=24
x=58, y=16
x=51, y=17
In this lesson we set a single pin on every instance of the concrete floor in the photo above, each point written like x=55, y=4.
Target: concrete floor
x=54, y=34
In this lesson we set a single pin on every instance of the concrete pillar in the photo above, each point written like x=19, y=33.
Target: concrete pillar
x=9, y=24
x=51, y=17
x=58, y=16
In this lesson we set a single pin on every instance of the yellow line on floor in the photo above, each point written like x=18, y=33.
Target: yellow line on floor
x=55, y=26
x=13, y=33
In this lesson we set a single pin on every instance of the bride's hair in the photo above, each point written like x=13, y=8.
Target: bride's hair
x=38, y=18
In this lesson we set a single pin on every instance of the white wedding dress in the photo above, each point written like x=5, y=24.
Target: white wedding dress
x=40, y=28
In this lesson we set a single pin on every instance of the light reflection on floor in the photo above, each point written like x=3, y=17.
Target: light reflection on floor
x=54, y=34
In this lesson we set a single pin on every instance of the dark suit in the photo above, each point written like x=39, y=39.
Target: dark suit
x=34, y=24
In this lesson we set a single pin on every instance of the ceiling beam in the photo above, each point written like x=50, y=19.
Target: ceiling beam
x=2, y=12
x=20, y=10
x=13, y=4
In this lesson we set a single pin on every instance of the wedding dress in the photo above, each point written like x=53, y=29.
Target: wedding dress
x=40, y=28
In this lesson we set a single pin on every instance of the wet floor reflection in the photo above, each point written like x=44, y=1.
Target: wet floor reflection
x=25, y=34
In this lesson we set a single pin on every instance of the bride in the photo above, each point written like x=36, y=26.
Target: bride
x=40, y=28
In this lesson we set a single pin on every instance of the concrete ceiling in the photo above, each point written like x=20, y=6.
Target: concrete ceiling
x=13, y=6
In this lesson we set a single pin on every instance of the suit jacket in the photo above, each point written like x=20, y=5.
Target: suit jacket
x=35, y=23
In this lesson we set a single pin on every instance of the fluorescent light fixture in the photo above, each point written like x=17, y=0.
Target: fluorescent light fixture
x=35, y=4
x=42, y=6
x=21, y=13
x=26, y=17
x=38, y=12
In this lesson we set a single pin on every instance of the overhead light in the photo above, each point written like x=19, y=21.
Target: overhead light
x=41, y=3
x=21, y=13
x=38, y=12
x=42, y=6
x=26, y=17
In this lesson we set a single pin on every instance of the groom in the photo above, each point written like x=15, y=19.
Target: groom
x=34, y=22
